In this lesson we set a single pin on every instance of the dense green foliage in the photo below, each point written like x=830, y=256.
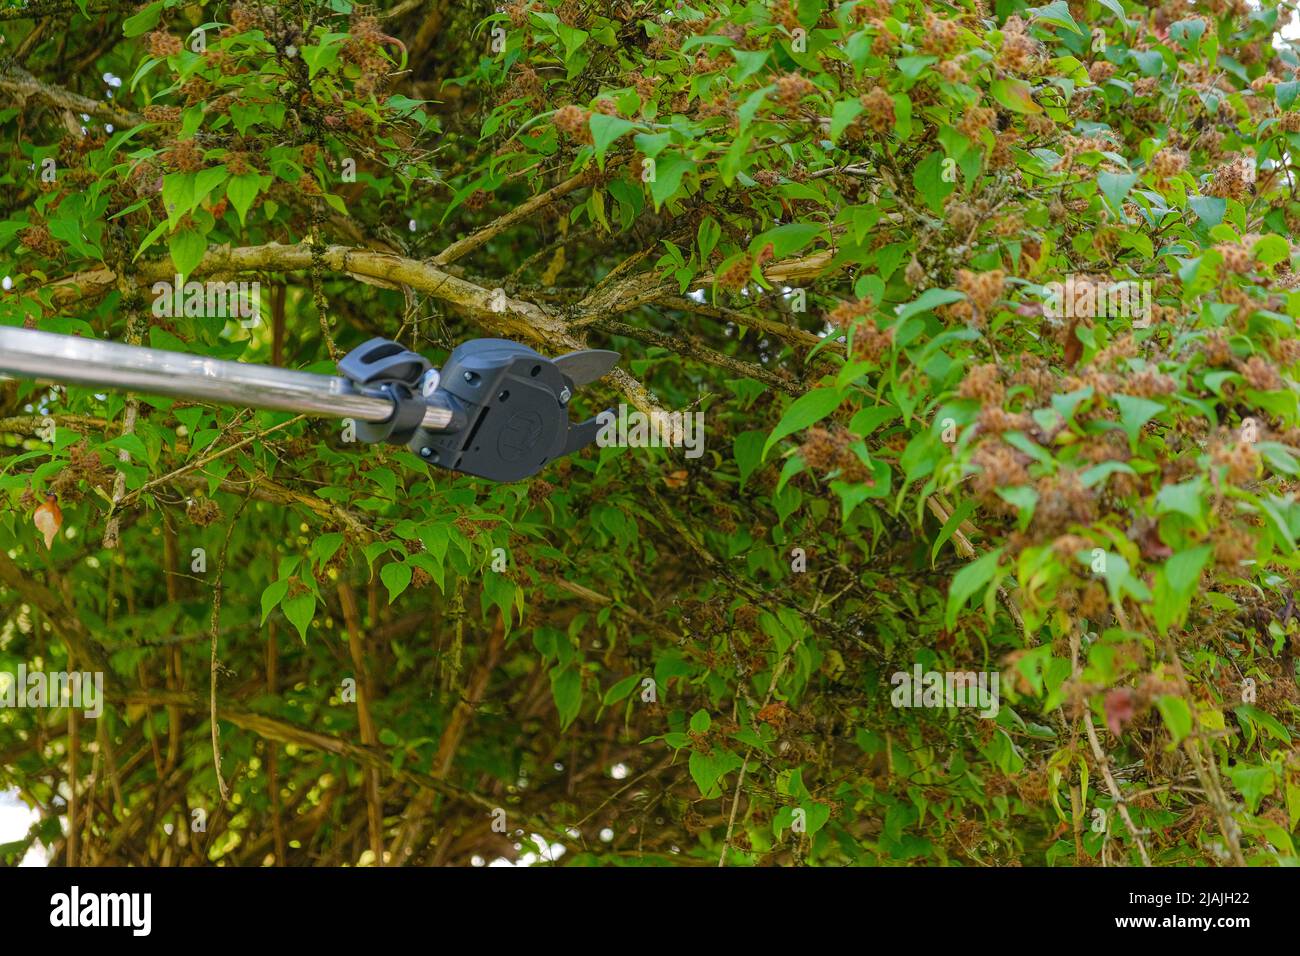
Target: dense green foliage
x=833, y=228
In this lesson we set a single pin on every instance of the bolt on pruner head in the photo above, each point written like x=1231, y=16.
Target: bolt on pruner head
x=508, y=404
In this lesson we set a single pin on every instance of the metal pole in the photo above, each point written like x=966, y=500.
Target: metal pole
x=76, y=360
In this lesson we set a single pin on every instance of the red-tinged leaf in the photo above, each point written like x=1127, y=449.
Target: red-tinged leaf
x=1120, y=707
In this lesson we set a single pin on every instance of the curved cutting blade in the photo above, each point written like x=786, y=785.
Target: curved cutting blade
x=587, y=365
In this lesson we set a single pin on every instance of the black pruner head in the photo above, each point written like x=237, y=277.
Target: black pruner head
x=514, y=406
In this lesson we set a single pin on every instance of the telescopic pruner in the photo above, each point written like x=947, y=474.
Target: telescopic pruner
x=496, y=409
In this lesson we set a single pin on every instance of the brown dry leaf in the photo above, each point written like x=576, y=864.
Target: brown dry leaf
x=775, y=714
x=48, y=519
x=1073, y=346
x=1120, y=708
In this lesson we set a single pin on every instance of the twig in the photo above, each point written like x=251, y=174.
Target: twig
x=1103, y=761
x=744, y=765
x=212, y=663
x=206, y=459
x=352, y=622
x=463, y=247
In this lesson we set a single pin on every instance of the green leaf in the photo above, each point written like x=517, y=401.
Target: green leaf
x=970, y=163
x=621, y=689
x=1177, y=716
x=322, y=55
x=815, y=817
x=708, y=769
x=1057, y=12
x=1187, y=33
x=1135, y=412
x=843, y=114
x=300, y=609
x=1285, y=94
x=572, y=38
x=132, y=444
x=206, y=180
x=325, y=547
x=243, y=189
x=187, y=248
x=1265, y=721
x=1117, y=8
x=707, y=236
x=748, y=452
x=1254, y=783
x=143, y=21
x=1272, y=249
x=969, y=581
x=154, y=234
x=566, y=688
x=959, y=514
x=928, y=300
x=606, y=129
x=1293, y=801
x=867, y=420
x=668, y=173
x=1015, y=95
x=396, y=575
x=1187, y=498
x=787, y=239
x=749, y=62
x=1024, y=499
x=808, y=409
x=1176, y=584
x=1209, y=209
x=930, y=182
x=178, y=196
x=435, y=538
x=1184, y=569
x=1115, y=186
x=1098, y=474
x=910, y=66
x=272, y=596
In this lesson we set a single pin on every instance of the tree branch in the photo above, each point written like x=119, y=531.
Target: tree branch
x=22, y=86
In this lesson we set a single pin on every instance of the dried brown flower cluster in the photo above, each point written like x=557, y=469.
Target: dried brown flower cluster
x=976, y=119
x=791, y=88
x=37, y=238
x=1260, y=374
x=364, y=49
x=164, y=44
x=185, y=156
x=983, y=383
x=1233, y=180
x=997, y=465
x=1166, y=164
x=1063, y=502
x=984, y=289
x=162, y=114
x=572, y=121
x=1240, y=461
x=203, y=511
x=941, y=37
x=830, y=451
x=245, y=17
x=878, y=106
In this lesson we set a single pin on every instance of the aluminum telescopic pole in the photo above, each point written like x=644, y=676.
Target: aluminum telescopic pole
x=75, y=360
